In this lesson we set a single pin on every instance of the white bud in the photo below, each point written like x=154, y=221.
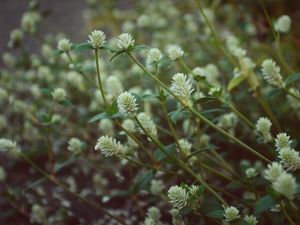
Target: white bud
x=178, y=197
x=283, y=24
x=97, y=39
x=58, y=94
x=182, y=87
x=231, y=213
x=127, y=104
x=286, y=185
x=109, y=146
x=271, y=73
x=64, y=45
x=174, y=52
x=124, y=41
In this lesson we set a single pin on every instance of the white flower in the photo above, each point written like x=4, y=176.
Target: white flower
x=124, y=41
x=147, y=124
x=129, y=125
x=239, y=52
x=251, y=220
x=289, y=158
x=231, y=213
x=154, y=55
x=38, y=214
x=286, y=185
x=109, y=146
x=64, y=45
x=251, y=173
x=127, y=104
x=282, y=140
x=182, y=87
x=174, y=52
x=58, y=94
x=96, y=39
x=156, y=187
x=185, y=146
x=29, y=21
x=75, y=145
x=273, y=171
x=271, y=73
x=263, y=126
x=7, y=145
x=106, y=125
x=153, y=215
x=283, y=24
x=178, y=197
x=113, y=86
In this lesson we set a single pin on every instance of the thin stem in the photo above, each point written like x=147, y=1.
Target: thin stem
x=58, y=183
x=291, y=222
x=99, y=79
x=180, y=163
x=295, y=96
x=50, y=152
x=197, y=114
x=78, y=69
x=214, y=34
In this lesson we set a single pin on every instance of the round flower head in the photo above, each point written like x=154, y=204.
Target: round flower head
x=174, y=52
x=96, y=39
x=283, y=24
x=286, y=185
x=154, y=56
x=289, y=158
x=156, y=187
x=124, y=41
x=64, y=45
x=263, y=126
x=273, y=171
x=251, y=173
x=127, y=104
x=38, y=214
x=7, y=145
x=282, y=140
x=154, y=214
x=129, y=125
x=182, y=87
x=109, y=146
x=251, y=220
x=58, y=94
x=75, y=145
x=106, y=126
x=113, y=86
x=178, y=197
x=147, y=124
x=15, y=37
x=271, y=73
x=185, y=146
x=231, y=213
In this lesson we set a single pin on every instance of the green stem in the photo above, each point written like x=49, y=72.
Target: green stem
x=197, y=114
x=295, y=96
x=291, y=222
x=58, y=183
x=99, y=79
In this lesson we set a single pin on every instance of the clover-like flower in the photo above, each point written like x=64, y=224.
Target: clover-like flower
x=109, y=146
x=282, y=140
x=174, y=52
x=289, y=158
x=283, y=24
x=154, y=55
x=124, y=41
x=231, y=213
x=7, y=145
x=286, y=185
x=58, y=94
x=251, y=220
x=251, y=173
x=271, y=73
x=127, y=104
x=263, y=126
x=97, y=39
x=64, y=45
x=178, y=197
x=182, y=87
x=273, y=171
x=75, y=145
x=147, y=124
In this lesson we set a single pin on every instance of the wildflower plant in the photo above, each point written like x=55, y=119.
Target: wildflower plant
x=160, y=115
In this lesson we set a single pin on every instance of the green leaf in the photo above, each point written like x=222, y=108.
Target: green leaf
x=99, y=117
x=206, y=99
x=143, y=181
x=159, y=155
x=108, y=47
x=264, y=204
x=176, y=115
x=60, y=165
x=292, y=78
x=234, y=82
x=116, y=54
x=66, y=103
x=216, y=214
x=138, y=48
x=82, y=47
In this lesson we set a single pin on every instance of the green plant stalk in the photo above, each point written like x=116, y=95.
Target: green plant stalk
x=99, y=78
x=58, y=183
x=291, y=222
x=214, y=34
x=181, y=164
x=197, y=114
x=78, y=70
x=295, y=96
